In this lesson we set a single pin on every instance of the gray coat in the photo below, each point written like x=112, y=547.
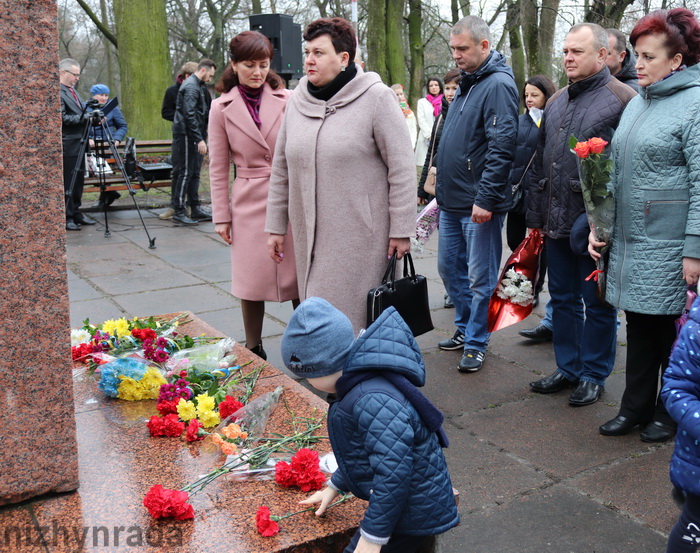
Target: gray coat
x=344, y=176
x=656, y=150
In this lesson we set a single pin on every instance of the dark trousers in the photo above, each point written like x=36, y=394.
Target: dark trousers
x=685, y=536
x=399, y=543
x=74, y=200
x=649, y=342
x=584, y=345
x=516, y=230
x=187, y=163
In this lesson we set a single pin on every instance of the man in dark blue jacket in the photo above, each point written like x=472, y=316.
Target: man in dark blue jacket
x=474, y=161
x=591, y=106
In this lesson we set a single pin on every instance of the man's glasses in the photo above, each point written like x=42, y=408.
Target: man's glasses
x=74, y=74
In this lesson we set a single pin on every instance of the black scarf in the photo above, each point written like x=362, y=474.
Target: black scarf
x=327, y=92
x=431, y=415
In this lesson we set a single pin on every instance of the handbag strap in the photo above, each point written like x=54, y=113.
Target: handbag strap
x=389, y=274
x=526, y=168
x=432, y=148
x=408, y=260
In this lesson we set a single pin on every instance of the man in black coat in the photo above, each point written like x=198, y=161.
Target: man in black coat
x=591, y=106
x=189, y=143
x=621, y=61
x=167, y=110
x=73, y=121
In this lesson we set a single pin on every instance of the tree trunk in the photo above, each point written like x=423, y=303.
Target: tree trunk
x=144, y=62
x=607, y=13
x=395, y=60
x=415, y=41
x=538, y=32
x=376, y=38
x=516, y=44
x=109, y=56
x=454, y=8
x=257, y=6
x=466, y=8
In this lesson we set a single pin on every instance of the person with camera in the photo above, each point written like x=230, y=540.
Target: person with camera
x=117, y=128
x=73, y=121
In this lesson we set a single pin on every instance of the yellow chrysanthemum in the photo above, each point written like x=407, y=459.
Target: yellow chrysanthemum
x=205, y=403
x=117, y=328
x=129, y=389
x=209, y=418
x=151, y=383
x=186, y=410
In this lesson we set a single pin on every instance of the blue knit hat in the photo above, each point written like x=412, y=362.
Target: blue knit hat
x=99, y=89
x=317, y=340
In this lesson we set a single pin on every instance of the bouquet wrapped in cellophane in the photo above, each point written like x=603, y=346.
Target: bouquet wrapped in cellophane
x=511, y=302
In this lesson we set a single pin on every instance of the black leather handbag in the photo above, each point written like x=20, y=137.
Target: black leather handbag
x=409, y=295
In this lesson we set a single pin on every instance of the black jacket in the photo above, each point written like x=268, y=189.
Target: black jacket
x=526, y=146
x=192, y=109
x=628, y=73
x=584, y=109
x=73, y=120
x=432, y=148
x=478, y=141
x=167, y=111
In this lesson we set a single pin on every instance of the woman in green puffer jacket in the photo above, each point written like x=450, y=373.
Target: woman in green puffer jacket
x=655, y=250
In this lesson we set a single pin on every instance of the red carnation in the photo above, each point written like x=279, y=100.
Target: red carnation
x=310, y=480
x=172, y=426
x=284, y=475
x=155, y=426
x=144, y=334
x=266, y=526
x=163, y=503
x=81, y=352
x=167, y=407
x=229, y=406
x=193, y=433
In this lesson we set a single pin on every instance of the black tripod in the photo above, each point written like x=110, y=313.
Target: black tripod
x=96, y=120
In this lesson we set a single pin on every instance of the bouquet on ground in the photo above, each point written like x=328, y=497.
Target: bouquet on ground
x=511, y=302
x=427, y=222
x=152, y=339
x=595, y=170
x=246, y=450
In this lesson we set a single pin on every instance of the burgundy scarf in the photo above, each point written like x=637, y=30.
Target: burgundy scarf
x=252, y=98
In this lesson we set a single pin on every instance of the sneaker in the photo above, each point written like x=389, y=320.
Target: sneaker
x=471, y=361
x=167, y=214
x=451, y=344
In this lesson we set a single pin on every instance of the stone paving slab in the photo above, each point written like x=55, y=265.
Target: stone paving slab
x=554, y=520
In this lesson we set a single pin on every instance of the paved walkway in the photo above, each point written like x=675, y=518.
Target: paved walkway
x=533, y=473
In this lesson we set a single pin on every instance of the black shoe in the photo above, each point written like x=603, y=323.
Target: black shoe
x=448, y=302
x=657, y=432
x=259, y=351
x=538, y=334
x=586, y=393
x=536, y=300
x=112, y=196
x=454, y=343
x=471, y=361
x=70, y=225
x=550, y=384
x=199, y=213
x=83, y=219
x=183, y=219
x=619, y=426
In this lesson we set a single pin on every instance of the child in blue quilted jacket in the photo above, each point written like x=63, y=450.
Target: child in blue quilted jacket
x=681, y=395
x=385, y=434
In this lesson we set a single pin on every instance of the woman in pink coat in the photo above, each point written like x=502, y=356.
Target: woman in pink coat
x=243, y=126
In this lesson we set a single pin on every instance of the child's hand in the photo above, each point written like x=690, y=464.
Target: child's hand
x=364, y=546
x=325, y=497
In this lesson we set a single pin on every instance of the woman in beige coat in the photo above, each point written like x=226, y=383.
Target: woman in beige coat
x=343, y=175
x=243, y=126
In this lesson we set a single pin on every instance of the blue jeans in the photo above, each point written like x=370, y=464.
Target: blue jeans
x=584, y=345
x=469, y=255
x=547, y=321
